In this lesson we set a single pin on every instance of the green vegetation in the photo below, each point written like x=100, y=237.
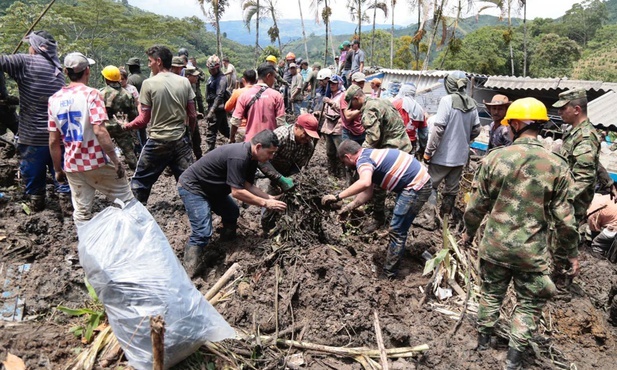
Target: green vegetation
x=111, y=32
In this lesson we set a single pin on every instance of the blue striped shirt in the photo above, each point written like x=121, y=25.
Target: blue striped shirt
x=37, y=80
x=393, y=169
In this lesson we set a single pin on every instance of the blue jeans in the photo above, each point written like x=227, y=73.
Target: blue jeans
x=347, y=135
x=408, y=204
x=298, y=104
x=33, y=165
x=199, y=210
x=155, y=156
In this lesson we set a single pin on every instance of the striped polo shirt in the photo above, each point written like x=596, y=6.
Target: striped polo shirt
x=393, y=169
x=37, y=80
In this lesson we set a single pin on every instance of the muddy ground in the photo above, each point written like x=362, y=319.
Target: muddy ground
x=329, y=286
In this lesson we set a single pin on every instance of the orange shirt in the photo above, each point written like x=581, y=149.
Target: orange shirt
x=230, y=105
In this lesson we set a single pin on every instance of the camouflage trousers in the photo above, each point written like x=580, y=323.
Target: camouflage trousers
x=124, y=140
x=533, y=290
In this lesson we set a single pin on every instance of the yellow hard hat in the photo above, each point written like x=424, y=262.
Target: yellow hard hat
x=271, y=58
x=111, y=73
x=526, y=109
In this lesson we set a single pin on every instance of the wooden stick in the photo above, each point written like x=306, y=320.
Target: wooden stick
x=276, y=301
x=344, y=351
x=382, y=349
x=33, y=25
x=222, y=281
x=157, y=334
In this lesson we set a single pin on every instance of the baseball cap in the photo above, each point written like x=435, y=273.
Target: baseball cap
x=336, y=79
x=309, y=123
x=358, y=77
x=346, y=43
x=77, y=62
x=566, y=96
x=133, y=62
x=177, y=62
x=351, y=92
x=213, y=61
x=498, y=100
x=293, y=65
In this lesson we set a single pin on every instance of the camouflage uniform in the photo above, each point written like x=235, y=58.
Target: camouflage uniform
x=581, y=148
x=384, y=129
x=118, y=101
x=384, y=126
x=523, y=189
x=199, y=98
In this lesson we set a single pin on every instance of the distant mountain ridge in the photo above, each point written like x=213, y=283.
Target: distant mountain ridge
x=290, y=29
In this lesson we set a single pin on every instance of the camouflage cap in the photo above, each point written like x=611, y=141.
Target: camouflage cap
x=351, y=92
x=191, y=71
x=133, y=62
x=566, y=96
x=177, y=62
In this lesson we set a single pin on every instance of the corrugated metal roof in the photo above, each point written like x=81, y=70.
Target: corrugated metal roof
x=528, y=83
x=422, y=79
x=601, y=111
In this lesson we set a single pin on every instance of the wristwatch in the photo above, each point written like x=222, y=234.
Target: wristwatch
x=337, y=197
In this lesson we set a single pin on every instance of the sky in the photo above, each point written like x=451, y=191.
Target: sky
x=289, y=9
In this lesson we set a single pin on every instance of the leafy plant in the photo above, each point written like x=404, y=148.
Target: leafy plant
x=94, y=313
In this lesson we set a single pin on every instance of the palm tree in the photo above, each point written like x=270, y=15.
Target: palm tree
x=303, y=32
x=325, y=12
x=250, y=9
x=384, y=8
x=392, y=5
x=355, y=12
x=214, y=14
x=273, y=31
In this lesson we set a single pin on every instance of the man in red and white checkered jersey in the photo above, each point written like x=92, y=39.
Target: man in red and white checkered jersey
x=76, y=117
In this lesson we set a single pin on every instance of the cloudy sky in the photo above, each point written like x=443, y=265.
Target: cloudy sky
x=289, y=9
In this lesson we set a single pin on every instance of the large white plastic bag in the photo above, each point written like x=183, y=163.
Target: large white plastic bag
x=135, y=273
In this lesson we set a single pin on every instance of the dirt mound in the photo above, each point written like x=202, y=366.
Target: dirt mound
x=309, y=281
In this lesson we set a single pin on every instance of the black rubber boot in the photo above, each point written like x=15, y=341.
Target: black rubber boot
x=192, y=259
x=447, y=204
x=484, y=342
x=228, y=232
x=514, y=360
x=37, y=202
x=141, y=195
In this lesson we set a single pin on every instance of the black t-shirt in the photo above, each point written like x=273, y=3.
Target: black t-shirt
x=218, y=171
x=348, y=59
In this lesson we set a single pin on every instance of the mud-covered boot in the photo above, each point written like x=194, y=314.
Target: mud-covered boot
x=37, y=202
x=66, y=204
x=484, y=342
x=514, y=360
x=447, y=204
x=192, y=259
x=228, y=232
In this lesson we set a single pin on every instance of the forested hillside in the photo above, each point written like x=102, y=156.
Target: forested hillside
x=111, y=32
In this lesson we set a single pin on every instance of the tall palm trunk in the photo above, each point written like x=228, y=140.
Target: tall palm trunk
x=303, y=32
x=257, y=34
x=392, y=4
x=373, y=36
x=215, y=6
x=327, y=22
x=432, y=38
x=360, y=20
x=524, y=38
x=510, y=40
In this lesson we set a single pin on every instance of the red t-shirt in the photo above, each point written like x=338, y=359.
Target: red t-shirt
x=410, y=126
x=355, y=126
x=263, y=113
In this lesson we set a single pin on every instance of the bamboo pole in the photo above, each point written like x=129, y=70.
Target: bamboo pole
x=33, y=25
x=222, y=281
x=382, y=349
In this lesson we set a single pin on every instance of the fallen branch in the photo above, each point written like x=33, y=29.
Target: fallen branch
x=382, y=349
x=222, y=281
x=341, y=351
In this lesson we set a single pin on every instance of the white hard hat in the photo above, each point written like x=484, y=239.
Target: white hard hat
x=324, y=73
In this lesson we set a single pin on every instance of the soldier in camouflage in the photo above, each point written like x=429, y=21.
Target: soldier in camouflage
x=581, y=148
x=121, y=104
x=135, y=76
x=523, y=189
x=199, y=98
x=384, y=129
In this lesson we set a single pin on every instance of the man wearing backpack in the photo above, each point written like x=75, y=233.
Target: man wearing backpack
x=261, y=105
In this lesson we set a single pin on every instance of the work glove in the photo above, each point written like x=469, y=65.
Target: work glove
x=285, y=183
x=329, y=199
